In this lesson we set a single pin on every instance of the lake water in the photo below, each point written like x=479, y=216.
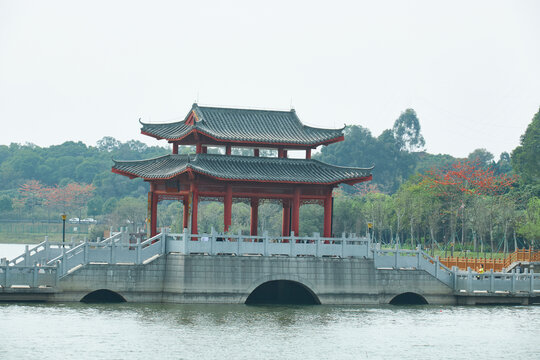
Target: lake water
x=154, y=331
x=11, y=251
x=148, y=331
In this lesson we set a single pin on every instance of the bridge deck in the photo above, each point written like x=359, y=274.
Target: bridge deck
x=51, y=263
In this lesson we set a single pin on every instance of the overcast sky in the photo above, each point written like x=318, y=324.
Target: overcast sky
x=81, y=70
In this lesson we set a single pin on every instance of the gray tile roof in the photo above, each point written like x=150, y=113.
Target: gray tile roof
x=242, y=168
x=243, y=125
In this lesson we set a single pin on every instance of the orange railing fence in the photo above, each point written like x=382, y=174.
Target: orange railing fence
x=525, y=255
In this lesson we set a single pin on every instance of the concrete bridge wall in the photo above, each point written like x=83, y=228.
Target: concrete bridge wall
x=178, y=278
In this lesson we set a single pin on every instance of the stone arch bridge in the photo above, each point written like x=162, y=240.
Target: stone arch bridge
x=226, y=268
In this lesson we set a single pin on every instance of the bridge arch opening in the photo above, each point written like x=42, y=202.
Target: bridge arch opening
x=103, y=296
x=408, y=298
x=282, y=292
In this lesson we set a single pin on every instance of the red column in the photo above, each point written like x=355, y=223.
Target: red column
x=280, y=152
x=227, y=208
x=198, y=148
x=185, y=223
x=175, y=148
x=194, y=208
x=328, y=215
x=228, y=150
x=152, y=198
x=256, y=152
x=204, y=149
x=296, y=211
x=286, y=224
x=308, y=153
x=254, y=216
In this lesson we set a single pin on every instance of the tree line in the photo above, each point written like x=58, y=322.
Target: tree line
x=477, y=203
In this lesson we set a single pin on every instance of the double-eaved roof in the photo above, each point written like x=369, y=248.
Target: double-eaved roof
x=244, y=126
x=242, y=168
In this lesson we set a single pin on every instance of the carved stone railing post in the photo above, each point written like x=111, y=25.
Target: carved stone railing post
x=26, y=256
x=396, y=254
x=138, y=250
x=239, y=240
x=266, y=239
x=291, y=242
x=317, y=238
x=491, y=281
x=186, y=237
x=35, y=273
x=343, y=237
x=64, y=258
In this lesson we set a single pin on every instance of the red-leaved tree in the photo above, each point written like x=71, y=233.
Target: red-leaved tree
x=462, y=185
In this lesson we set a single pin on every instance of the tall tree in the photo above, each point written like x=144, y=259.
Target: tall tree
x=530, y=226
x=526, y=158
x=32, y=194
x=407, y=132
x=481, y=157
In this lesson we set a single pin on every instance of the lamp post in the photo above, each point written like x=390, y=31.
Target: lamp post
x=63, y=229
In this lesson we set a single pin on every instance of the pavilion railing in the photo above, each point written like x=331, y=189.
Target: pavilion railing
x=119, y=250
x=27, y=276
x=265, y=245
x=46, y=250
x=111, y=251
x=413, y=259
x=470, y=282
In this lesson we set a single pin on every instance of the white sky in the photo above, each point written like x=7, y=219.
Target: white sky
x=81, y=70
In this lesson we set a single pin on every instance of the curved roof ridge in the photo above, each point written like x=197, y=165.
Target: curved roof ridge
x=141, y=160
x=271, y=127
x=242, y=108
x=244, y=168
x=344, y=167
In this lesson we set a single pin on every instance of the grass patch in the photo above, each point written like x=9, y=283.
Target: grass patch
x=34, y=233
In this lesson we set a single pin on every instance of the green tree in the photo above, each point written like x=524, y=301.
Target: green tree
x=407, y=132
x=530, y=227
x=525, y=157
x=481, y=157
x=6, y=204
x=130, y=211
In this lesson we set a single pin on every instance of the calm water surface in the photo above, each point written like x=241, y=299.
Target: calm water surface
x=149, y=331
x=146, y=331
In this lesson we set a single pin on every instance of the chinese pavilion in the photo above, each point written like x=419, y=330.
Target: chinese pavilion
x=192, y=177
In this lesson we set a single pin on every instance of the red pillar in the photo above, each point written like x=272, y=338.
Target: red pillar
x=228, y=150
x=296, y=211
x=256, y=152
x=286, y=224
x=227, y=208
x=152, y=199
x=204, y=149
x=194, y=207
x=198, y=148
x=280, y=152
x=328, y=215
x=175, y=148
x=254, y=216
x=185, y=223
x=308, y=153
